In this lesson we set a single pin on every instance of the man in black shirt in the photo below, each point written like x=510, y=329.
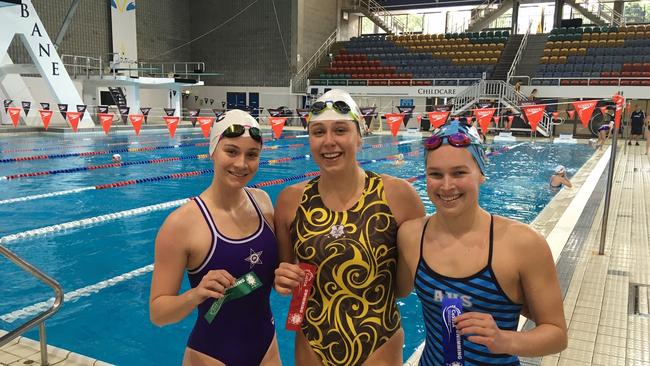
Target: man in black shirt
x=638, y=120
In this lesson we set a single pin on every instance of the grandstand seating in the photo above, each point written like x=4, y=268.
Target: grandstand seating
x=397, y=60
x=603, y=54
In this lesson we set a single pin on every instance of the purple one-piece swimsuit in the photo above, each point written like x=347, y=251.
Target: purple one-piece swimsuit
x=243, y=330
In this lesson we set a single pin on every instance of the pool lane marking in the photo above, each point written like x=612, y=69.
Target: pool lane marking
x=74, y=295
x=95, y=288
x=152, y=161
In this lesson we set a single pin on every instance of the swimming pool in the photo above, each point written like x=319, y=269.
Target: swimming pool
x=109, y=320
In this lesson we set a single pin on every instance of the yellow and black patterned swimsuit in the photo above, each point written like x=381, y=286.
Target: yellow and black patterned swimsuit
x=351, y=311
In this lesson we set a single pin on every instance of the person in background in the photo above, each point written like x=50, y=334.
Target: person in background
x=638, y=119
x=495, y=267
x=223, y=239
x=345, y=223
x=518, y=86
x=117, y=158
x=559, y=178
x=533, y=95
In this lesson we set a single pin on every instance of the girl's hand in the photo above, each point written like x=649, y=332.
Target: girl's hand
x=213, y=284
x=480, y=328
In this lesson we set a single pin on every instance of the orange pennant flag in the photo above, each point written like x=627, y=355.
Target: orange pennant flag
x=105, y=119
x=14, y=113
x=136, y=121
x=511, y=118
x=484, y=115
x=438, y=118
x=556, y=115
x=394, y=120
x=571, y=114
x=496, y=119
x=172, y=123
x=419, y=117
x=206, y=125
x=73, y=118
x=620, y=101
x=585, y=109
x=534, y=114
x=277, y=124
x=46, y=116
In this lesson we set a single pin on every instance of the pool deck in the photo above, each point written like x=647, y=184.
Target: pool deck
x=600, y=313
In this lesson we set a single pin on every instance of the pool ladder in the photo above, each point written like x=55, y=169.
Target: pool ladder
x=39, y=319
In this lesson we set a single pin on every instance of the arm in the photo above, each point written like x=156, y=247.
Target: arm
x=566, y=182
x=408, y=249
x=403, y=200
x=288, y=275
x=543, y=297
x=172, y=251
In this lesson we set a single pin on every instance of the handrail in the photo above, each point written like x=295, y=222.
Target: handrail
x=520, y=51
x=40, y=318
x=163, y=68
x=396, y=26
x=481, y=10
x=299, y=81
x=88, y=63
x=603, y=11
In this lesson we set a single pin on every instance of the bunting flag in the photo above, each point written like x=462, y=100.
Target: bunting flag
x=277, y=125
x=555, y=115
x=534, y=114
x=274, y=112
x=205, y=100
x=26, y=107
x=303, y=113
x=145, y=112
x=394, y=120
x=585, y=109
x=81, y=108
x=484, y=116
x=63, y=108
x=211, y=101
x=571, y=114
x=73, y=118
x=14, y=114
x=206, y=125
x=105, y=119
x=46, y=117
x=407, y=112
x=7, y=104
x=169, y=111
x=193, y=114
x=603, y=110
x=124, y=113
x=136, y=121
x=419, y=117
x=510, y=119
x=172, y=123
x=218, y=112
x=496, y=119
x=45, y=106
x=102, y=109
x=196, y=98
x=368, y=114
x=438, y=118
x=620, y=101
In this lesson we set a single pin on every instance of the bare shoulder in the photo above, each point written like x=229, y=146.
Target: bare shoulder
x=180, y=224
x=262, y=198
x=519, y=237
x=411, y=230
x=402, y=199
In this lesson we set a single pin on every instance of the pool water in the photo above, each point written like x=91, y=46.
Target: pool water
x=110, y=321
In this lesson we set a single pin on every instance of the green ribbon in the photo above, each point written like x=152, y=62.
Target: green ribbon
x=243, y=286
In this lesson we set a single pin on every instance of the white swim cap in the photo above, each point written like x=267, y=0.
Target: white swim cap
x=231, y=117
x=330, y=114
x=117, y=156
x=560, y=169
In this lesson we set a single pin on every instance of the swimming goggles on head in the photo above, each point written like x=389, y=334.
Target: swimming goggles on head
x=457, y=139
x=237, y=130
x=339, y=106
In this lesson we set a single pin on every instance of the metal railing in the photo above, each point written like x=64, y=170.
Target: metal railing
x=83, y=65
x=300, y=81
x=603, y=11
x=598, y=81
x=39, y=319
x=520, y=52
x=171, y=69
x=394, y=82
x=390, y=20
x=482, y=10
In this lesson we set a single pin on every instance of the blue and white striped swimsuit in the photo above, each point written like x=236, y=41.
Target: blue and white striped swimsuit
x=479, y=292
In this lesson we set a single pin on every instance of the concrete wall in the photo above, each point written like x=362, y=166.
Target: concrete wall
x=248, y=49
x=316, y=20
x=163, y=25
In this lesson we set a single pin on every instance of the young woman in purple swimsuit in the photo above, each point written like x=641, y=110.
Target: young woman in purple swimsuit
x=224, y=239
